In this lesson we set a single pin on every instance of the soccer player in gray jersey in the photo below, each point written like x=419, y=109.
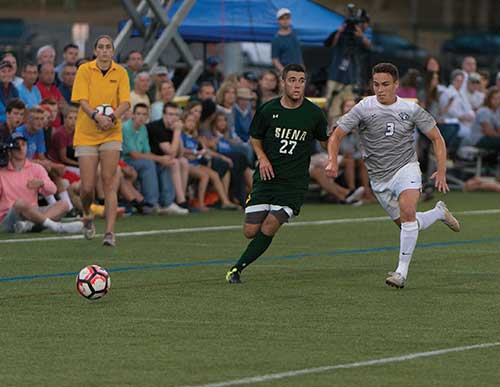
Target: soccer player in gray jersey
x=386, y=126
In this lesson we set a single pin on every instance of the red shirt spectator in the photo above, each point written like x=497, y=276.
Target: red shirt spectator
x=48, y=90
x=61, y=150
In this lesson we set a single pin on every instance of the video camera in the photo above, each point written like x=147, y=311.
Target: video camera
x=355, y=16
x=4, y=152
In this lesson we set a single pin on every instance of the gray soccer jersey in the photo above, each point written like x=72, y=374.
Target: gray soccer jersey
x=387, y=133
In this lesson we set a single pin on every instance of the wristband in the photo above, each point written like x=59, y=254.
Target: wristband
x=94, y=113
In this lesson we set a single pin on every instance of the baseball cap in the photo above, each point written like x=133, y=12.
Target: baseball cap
x=16, y=136
x=159, y=70
x=474, y=77
x=5, y=64
x=244, y=93
x=282, y=12
x=213, y=60
x=248, y=75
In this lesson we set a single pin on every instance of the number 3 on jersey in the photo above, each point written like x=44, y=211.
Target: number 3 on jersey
x=287, y=146
x=389, y=128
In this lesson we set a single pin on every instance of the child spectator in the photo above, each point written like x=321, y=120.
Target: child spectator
x=195, y=153
x=14, y=119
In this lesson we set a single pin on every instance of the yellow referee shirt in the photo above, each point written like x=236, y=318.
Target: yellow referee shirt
x=112, y=89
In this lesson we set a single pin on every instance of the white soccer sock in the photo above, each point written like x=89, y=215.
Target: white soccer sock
x=428, y=218
x=65, y=197
x=50, y=199
x=408, y=240
x=51, y=225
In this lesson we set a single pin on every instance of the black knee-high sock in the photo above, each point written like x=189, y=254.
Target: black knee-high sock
x=254, y=250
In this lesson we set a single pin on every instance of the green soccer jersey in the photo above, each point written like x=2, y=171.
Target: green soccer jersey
x=287, y=136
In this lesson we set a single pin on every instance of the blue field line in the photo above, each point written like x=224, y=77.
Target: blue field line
x=279, y=257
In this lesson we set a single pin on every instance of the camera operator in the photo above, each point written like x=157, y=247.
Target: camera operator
x=351, y=42
x=20, y=182
x=15, y=118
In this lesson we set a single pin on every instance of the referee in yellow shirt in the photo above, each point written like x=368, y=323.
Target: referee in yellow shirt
x=98, y=138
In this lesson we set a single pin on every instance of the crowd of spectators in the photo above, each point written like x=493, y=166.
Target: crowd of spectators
x=178, y=160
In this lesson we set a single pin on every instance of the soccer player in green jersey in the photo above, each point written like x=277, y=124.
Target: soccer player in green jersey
x=282, y=133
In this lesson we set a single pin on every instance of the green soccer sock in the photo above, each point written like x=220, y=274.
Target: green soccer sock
x=254, y=250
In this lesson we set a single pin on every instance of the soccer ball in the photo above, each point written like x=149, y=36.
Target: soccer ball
x=106, y=110
x=93, y=282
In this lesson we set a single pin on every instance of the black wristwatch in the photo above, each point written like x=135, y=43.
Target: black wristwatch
x=94, y=113
x=113, y=118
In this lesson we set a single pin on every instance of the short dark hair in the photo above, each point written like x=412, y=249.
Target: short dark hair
x=69, y=45
x=140, y=105
x=169, y=105
x=69, y=65
x=48, y=101
x=29, y=64
x=71, y=108
x=15, y=103
x=292, y=67
x=388, y=68
x=206, y=84
x=132, y=52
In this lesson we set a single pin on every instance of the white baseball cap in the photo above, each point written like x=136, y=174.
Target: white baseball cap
x=282, y=12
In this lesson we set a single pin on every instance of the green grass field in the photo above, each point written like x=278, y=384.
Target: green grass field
x=316, y=298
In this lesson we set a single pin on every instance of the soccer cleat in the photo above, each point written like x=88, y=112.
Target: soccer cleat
x=70, y=227
x=23, y=226
x=88, y=228
x=395, y=280
x=233, y=276
x=449, y=219
x=109, y=239
x=355, y=195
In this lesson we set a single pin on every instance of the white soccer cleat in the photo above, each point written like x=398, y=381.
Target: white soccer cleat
x=449, y=219
x=395, y=280
x=70, y=228
x=23, y=226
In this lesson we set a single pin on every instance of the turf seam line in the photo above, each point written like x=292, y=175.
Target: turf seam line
x=264, y=258
x=366, y=363
x=230, y=227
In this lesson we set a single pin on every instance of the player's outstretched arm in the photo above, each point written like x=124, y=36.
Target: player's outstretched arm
x=332, y=169
x=440, y=151
x=265, y=167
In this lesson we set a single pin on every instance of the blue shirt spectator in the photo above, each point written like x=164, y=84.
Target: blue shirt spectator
x=36, y=141
x=285, y=47
x=7, y=89
x=28, y=92
x=191, y=144
x=29, y=97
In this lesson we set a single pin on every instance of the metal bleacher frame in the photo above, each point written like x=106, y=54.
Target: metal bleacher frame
x=154, y=46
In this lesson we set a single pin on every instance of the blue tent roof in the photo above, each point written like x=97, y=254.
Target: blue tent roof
x=254, y=21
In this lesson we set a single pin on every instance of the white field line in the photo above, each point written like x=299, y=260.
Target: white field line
x=366, y=363
x=232, y=228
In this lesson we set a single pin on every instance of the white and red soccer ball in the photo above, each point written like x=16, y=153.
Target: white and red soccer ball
x=105, y=110
x=93, y=282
